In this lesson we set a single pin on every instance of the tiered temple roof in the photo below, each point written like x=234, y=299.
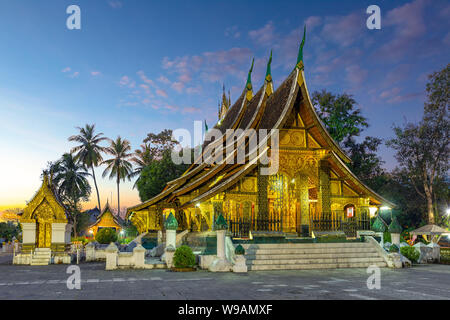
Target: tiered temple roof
x=267, y=109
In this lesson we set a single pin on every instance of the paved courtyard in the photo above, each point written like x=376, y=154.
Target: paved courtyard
x=49, y=282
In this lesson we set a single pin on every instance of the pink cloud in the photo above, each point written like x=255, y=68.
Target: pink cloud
x=164, y=80
x=144, y=77
x=95, y=73
x=115, y=4
x=190, y=110
x=178, y=86
x=409, y=25
x=263, y=36
x=161, y=93
x=67, y=69
x=344, y=30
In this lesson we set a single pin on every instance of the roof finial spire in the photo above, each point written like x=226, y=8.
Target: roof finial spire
x=269, y=87
x=248, y=86
x=300, y=51
x=268, y=70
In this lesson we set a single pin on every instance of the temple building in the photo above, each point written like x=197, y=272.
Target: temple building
x=46, y=229
x=312, y=190
x=106, y=220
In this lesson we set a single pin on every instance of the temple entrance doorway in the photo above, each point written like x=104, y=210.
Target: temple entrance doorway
x=43, y=234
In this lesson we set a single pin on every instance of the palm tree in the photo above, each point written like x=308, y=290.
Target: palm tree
x=118, y=167
x=141, y=158
x=69, y=178
x=89, y=151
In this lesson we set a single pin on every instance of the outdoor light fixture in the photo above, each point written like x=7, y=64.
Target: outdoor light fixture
x=293, y=181
x=372, y=211
x=385, y=208
x=198, y=205
x=448, y=211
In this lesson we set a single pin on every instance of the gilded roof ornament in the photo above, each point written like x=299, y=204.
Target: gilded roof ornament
x=300, y=51
x=269, y=88
x=249, y=86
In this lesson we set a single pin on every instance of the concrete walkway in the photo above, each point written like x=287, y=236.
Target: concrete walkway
x=422, y=282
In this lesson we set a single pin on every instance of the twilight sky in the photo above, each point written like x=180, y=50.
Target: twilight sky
x=143, y=66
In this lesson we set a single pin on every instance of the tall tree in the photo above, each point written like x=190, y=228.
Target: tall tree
x=118, y=166
x=366, y=164
x=154, y=177
x=142, y=158
x=422, y=149
x=89, y=152
x=344, y=121
x=340, y=115
x=69, y=178
x=158, y=143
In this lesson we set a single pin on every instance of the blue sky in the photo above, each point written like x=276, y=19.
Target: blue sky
x=143, y=66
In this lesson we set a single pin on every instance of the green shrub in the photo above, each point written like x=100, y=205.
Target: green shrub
x=184, y=257
x=393, y=248
x=410, y=252
x=106, y=236
x=387, y=237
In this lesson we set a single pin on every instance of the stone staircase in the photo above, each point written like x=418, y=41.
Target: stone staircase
x=41, y=257
x=290, y=256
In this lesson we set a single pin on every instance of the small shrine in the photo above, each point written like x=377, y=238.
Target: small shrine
x=46, y=230
x=106, y=220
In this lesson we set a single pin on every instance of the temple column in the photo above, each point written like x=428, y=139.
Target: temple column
x=325, y=186
x=303, y=197
x=262, y=200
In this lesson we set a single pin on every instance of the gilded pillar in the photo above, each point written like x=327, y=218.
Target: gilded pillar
x=303, y=198
x=262, y=200
x=325, y=187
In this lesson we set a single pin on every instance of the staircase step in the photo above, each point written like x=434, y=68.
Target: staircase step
x=312, y=256
x=315, y=266
x=300, y=261
x=307, y=245
x=310, y=251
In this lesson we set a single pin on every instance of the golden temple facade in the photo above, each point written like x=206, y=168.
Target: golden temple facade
x=313, y=188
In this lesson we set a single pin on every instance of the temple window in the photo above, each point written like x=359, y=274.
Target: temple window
x=349, y=210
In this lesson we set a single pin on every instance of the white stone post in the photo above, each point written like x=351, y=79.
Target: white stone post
x=28, y=232
x=111, y=253
x=90, y=252
x=139, y=256
x=220, y=264
x=171, y=238
x=221, y=244
x=395, y=237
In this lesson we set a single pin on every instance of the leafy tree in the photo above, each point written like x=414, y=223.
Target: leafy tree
x=118, y=166
x=154, y=177
x=69, y=178
x=343, y=120
x=422, y=149
x=9, y=230
x=89, y=152
x=159, y=143
x=142, y=157
x=339, y=114
x=366, y=164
